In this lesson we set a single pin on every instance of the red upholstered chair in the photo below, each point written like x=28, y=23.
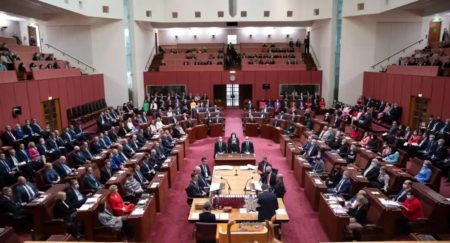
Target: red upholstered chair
x=205, y=232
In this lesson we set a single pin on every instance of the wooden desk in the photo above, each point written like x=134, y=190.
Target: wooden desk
x=39, y=208
x=292, y=151
x=397, y=177
x=358, y=180
x=185, y=141
x=235, y=159
x=118, y=179
x=216, y=130
x=136, y=159
x=333, y=224
x=251, y=129
x=59, y=238
x=237, y=183
x=276, y=133
x=159, y=186
x=201, y=131
x=100, y=159
x=241, y=234
x=89, y=214
x=266, y=131
x=388, y=215
x=142, y=224
x=191, y=133
x=284, y=139
x=179, y=161
x=234, y=214
x=7, y=235
x=318, y=126
x=148, y=146
x=170, y=166
x=301, y=168
x=333, y=159
x=363, y=158
x=300, y=129
x=313, y=187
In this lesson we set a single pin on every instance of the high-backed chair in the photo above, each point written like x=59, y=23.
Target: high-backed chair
x=205, y=232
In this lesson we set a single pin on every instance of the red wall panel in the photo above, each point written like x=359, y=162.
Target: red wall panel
x=398, y=83
x=20, y=95
x=427, y=83
x=416, y=85
x=44, y=90
x=7, y=101
x=34, y=101
x=446, y=103
x=390, y=89
x=437, y=94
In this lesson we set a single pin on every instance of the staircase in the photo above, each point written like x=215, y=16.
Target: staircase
x=309, y=61
x=156, y=62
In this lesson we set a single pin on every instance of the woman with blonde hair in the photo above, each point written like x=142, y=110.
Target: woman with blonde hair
x=115, y=201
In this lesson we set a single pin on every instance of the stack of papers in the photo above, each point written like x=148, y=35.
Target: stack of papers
x=137, y=211
x=389, y=203
x=214, y=187
x=142, y=201
x=96, y=195
x=85, y=207
x=154, y=185
x=223, y=216
x=112, y=178
x=167, y=160
x=281, y=211
x=242, y=210
x=195, y=216
x=160, y=175
x=248, y=167
x=91, y=200
x=223, y=167
x=318, y=181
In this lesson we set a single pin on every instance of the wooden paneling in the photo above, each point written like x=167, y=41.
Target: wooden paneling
x=399, y=89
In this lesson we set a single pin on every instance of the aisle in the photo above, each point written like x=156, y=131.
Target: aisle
x=172, y=225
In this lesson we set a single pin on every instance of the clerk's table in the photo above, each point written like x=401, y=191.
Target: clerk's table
x=235, y=159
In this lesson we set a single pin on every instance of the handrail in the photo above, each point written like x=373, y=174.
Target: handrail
x=316, y=60
x=398, y=52
x=150, y=58
x=74, y=58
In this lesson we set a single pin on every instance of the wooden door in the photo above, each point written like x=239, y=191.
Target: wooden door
x=220, y=95
x=434, y=32
x=32, y=36
x=418, y=112
x=52, y=114
x=245, y=94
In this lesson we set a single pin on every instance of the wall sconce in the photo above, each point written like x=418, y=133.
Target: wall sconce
x=3, y=28
x=195, y=36
x=250, y=35
x=176, y=37
x=287, y=36
x=268, y=36
x=213, y=36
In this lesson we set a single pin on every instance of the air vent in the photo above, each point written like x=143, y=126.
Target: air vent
x=316, y=11
x=243, y=14
x=360, y=6
x=220, y=14
x=290, y=13
x=105, y=9
x=198, y=14
x=174, y=15
x=266, y=14
x=148, y=13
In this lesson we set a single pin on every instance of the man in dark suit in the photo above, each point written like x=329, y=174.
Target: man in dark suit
x=206, y=216
x=74, y=197
x=7, y=171
x=220, y=147
x=372, y=172
x=90, y=182
x=262, y=165
x=8, y=138
x=268, y=203
x=269, y=177
x=201, y=181
x=78, y=157
x=96, y=146
x=139, y=176
x=106, y=172
x=343, y=185
x=247, y=146
x=43, y=150
x=62, y=168
x=194, y=190
x=8, y=205
x=440, y=154
x=25, y=192
x=206, y=172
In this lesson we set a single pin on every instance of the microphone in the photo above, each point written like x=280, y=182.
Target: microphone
x=246, y=183
x=229, y=187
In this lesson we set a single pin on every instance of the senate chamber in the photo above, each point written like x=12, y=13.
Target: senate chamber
x=225, y=121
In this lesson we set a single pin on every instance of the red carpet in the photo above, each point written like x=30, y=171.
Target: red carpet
x=172, y=224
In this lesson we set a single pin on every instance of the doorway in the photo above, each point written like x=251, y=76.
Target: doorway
x=52, y=114
x=32, y=36
x=419, y=111
x=232, y=95
x=434, y=32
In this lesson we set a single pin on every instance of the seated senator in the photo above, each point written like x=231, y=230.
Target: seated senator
x=115, y=201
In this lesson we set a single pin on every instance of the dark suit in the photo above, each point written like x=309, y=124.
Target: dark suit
x=268, y=203
x=343, y=186
x=206, y=217
x=91, y=183
x=63, y=211
x=372, y=174
x=220, y=147
x=23, y=195
x=206, y=172
x=401, y=196
x=8, y=139
x=272, y=179
x=262, y=166
x=279, y=190
x=105, y=174
x=63, y=170
x=194, y=190
x=247, y=147
x=359, y=213
x=8, y=205
x=75, y=198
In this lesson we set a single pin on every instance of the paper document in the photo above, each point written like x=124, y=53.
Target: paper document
x=223, y=167
x=243, y=210
x=281, y=211
x=214, y=187
x=137, y=211
x=154, y=185
x=85, y=207
x=195, y=216
x=224, y=216
x=91, y=200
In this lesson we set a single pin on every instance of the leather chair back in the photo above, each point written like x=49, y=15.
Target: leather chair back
x=205, y=232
